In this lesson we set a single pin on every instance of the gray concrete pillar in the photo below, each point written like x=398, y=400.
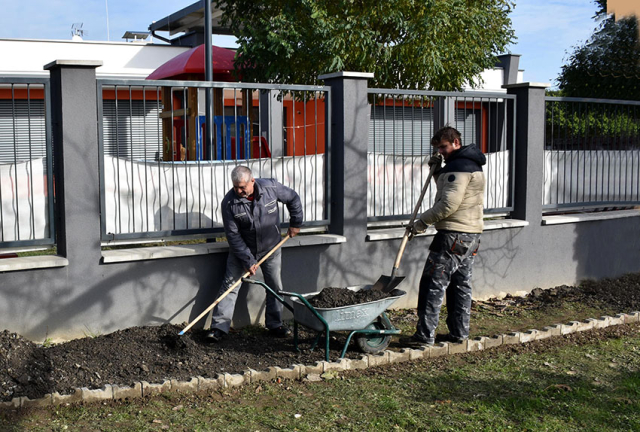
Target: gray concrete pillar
x=271, y=125
x=444, y=113
x=509, y=64
x=529, y=150
x=350, y=116
x=75, y=142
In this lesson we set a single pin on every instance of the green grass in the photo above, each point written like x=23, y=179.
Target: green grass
x=592, y=387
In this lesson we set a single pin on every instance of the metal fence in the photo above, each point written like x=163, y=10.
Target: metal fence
x=402, y=124
x=163, y=174
x=592, y=153
x=26, y=165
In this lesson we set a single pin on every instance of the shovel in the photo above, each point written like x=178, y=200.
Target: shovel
x=388, y=283
x=232, y=287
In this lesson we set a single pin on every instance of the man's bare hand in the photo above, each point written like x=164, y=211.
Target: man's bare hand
x=254, y=268
x=292, y=232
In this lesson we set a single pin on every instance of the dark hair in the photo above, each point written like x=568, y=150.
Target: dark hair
x=446, y=133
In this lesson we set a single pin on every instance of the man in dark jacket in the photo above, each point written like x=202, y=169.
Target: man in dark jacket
x=251, y=220
x=457, y=215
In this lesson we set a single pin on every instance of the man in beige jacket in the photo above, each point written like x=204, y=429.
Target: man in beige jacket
x=457, y=216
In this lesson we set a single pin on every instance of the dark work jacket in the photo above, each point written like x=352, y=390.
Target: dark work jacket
x=253, y=228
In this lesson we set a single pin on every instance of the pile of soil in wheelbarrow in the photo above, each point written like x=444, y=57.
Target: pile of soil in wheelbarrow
x=332, y=297
x=156, y=353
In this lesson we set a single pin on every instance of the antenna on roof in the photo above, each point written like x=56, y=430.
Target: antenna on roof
x=77, y=32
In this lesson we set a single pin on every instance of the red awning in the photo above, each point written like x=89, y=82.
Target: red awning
x=190, y=65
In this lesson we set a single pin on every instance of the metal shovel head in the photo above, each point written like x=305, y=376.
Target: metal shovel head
x=387, y=283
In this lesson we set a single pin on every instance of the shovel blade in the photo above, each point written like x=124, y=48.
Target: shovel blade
x=387, y=283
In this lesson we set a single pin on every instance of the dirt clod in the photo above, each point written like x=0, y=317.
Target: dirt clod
x=331, y=297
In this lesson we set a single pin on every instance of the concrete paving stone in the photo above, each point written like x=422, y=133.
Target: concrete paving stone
x=476, y=344
x=438, y=350
x=104, y=393
x=126, y=392
x=528, y=336
x=618, y=319
x=511, y=338
x=234, y=380
x=549, y=331
x=493, y=341
x=458, y=348
x=586, y=324
x=316, y=368
x=378, y=359
x=269, y=374
x=153, y=389
x=399, y=357
x=361, y=363
x=292, y=373
x=602, y=322
x=418, y=353
x=58, y=399
x=631, y=317
x=12, y=404
x=44, y=401
x=184, y=386
x=336, y=365
x=207, y=384
x=303, y=370
x=570, y=327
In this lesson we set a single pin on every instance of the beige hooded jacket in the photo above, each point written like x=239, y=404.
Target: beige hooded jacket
x=459, y=199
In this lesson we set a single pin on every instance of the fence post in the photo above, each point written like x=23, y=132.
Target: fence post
x=75, y=146
x=271, y=126
x=529, y=150
x=350, y=115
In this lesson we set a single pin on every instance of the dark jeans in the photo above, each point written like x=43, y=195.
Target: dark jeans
x=271, y=270
x=448, y=269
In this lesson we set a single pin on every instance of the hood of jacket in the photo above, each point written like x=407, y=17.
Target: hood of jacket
x=466, y=159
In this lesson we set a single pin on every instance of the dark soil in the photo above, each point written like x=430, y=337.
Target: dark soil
x=156, y=353
x=337, y=297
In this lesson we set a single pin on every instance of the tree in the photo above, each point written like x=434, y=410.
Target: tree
x=607, y=65
x=411, y=44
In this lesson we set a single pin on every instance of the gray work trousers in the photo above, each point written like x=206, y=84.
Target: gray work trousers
x=271, y=271
x=448, y=269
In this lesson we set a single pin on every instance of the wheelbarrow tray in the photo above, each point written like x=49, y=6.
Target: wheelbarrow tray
x=350, y=317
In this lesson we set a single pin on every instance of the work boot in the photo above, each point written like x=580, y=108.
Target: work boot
x=280, y=332
x=215, y=336
x=416, y=340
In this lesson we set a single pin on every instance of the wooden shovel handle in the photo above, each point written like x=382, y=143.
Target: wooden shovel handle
x=232, y=287
x=405, y=237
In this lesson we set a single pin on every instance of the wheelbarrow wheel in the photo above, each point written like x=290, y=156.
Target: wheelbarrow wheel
x=374, y=343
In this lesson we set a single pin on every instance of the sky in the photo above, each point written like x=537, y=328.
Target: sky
x=547, y=30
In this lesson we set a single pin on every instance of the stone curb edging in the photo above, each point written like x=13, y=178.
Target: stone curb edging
x=299, y=372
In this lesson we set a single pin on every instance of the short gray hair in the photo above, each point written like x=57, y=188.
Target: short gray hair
x=241, y=173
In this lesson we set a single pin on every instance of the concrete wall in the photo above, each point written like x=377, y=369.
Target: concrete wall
x=86, y=296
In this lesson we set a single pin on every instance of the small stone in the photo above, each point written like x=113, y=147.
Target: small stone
x=313, y=377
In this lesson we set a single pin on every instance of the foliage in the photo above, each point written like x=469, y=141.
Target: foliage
x=432, y=44
x=585, y=125
x=608, y=64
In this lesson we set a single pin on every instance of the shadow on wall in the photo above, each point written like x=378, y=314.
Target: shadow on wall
x=605, y=249
x=161, y=291
x=166, y=219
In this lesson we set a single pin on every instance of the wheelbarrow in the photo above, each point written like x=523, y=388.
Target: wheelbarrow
x=368, y=322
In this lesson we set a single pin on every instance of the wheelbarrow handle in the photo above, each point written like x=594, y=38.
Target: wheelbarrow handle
x=277, y=294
